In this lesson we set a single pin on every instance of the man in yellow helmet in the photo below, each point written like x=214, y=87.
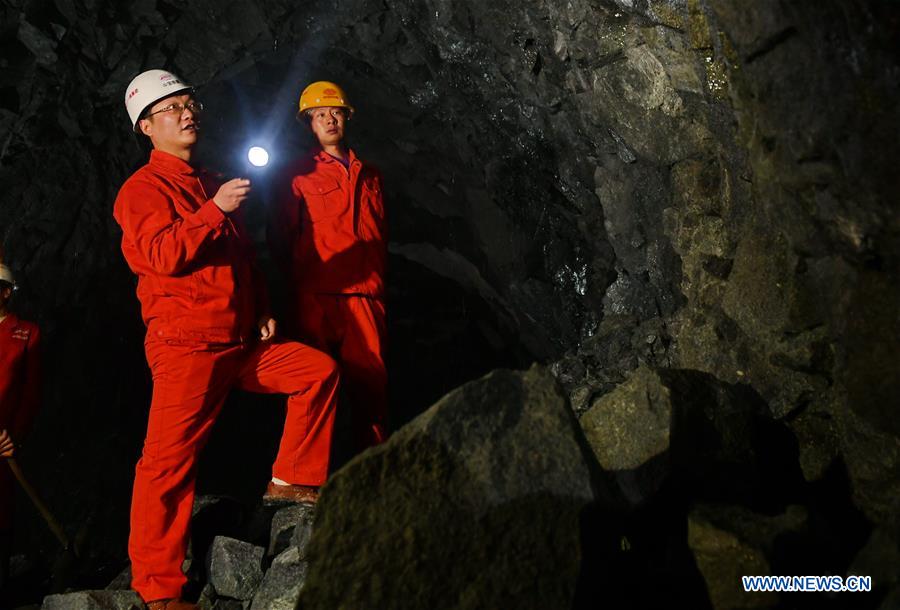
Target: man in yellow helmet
x=327, y=230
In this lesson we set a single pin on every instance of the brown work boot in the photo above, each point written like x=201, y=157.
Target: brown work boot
x=297, y=494
x=171, y=604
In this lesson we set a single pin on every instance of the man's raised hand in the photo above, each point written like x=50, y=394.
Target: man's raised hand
x=232, y=194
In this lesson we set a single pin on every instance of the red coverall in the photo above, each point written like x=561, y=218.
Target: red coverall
x=19, y=395
x=201, y=298
x=327, y=230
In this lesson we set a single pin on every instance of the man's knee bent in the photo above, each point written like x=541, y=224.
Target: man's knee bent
x=330, y=369
x=317, y=366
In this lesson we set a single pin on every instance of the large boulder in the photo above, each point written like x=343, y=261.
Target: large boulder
x=474, y=504
x=688, y=428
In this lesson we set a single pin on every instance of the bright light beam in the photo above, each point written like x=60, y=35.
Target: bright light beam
x=258, y=156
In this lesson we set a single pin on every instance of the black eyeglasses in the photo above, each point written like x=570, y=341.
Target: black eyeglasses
x=178, y=108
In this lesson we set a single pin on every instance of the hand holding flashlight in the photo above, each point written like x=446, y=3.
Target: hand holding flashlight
x=232, y=194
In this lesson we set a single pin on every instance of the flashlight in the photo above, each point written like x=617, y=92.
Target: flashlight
x=258, y=156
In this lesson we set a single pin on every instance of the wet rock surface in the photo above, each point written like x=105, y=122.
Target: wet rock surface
x=687, y=185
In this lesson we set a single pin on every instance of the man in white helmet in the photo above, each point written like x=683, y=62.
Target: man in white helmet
x=19, y=399
x=208, y=330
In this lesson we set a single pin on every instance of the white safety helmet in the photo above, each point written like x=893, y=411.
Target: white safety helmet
x=149, y=87
x=6, y=274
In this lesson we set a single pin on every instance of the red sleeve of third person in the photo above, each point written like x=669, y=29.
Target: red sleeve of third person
x=31, y=390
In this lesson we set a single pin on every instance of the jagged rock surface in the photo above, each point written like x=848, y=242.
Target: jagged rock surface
x=691, y=184
x=280, y=587
x=476, y=503
x=686, y=428
x=291, y=526
x=94, y=600
x=234, y=568
x=723, y=555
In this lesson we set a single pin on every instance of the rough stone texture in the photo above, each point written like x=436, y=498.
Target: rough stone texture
x=280, y=588
x=731, y=546
x=207, y=597
x=94, y=600
x=453, y=505
x=687, y=428
x=692, y=184
x=872, y=455
x=229, y=604
x=285, y=523
x=303, y=532
x=867, y=416
x=234, y=568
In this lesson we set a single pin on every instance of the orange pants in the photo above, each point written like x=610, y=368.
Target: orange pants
x=190, y=383
x=352, y=329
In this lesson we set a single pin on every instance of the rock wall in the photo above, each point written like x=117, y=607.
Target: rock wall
x=694, y=184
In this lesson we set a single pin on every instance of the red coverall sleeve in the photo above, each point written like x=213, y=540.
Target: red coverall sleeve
x=167, y=241
x=31, y=389
x=283, y=226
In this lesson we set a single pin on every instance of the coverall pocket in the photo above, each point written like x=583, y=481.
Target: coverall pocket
x=211, y=282
x=324, y=199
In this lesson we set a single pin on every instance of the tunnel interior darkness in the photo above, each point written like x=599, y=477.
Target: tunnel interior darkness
x=595, y=185
x=485, y=270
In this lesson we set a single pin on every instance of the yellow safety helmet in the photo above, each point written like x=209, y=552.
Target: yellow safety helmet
x=323, y=93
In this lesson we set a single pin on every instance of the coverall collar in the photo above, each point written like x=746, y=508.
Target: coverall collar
x=10, y=319
x=323, y=157
x=171, y=163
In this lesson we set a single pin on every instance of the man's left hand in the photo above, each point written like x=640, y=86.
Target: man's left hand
x=267, y=328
